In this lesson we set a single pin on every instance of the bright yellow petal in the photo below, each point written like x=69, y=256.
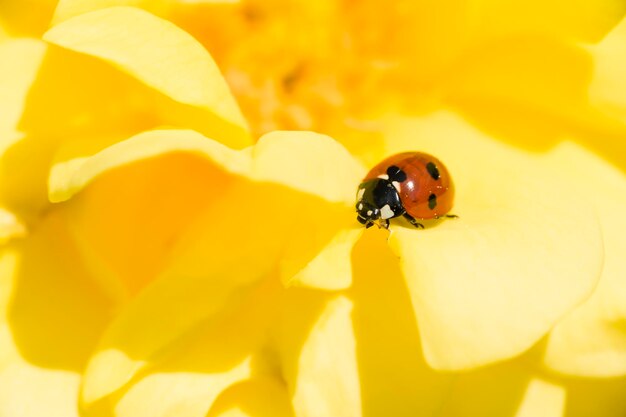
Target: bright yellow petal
x=22, y=60
x=159, y=54
x=317, y=346
x=67, y=9
x=591, y=340
x=52, y=316
x=582, y=20
x=257, y=397
x=28, y=18
x=528, y=90
x=524, y=252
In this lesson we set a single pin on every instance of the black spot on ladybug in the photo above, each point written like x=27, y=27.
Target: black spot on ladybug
x=432, y=201
x=432, y=170
x=396, y=174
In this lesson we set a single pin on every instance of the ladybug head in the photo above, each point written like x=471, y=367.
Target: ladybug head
x=377, y=201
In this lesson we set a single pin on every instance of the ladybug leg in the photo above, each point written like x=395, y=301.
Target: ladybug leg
x=448, y=216
x=412, y=220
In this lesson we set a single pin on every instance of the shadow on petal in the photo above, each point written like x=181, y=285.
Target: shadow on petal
x=56, y=313
x=595, y=397
x=395, y=379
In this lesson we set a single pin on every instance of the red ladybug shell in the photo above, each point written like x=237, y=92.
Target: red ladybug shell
x=428, y=191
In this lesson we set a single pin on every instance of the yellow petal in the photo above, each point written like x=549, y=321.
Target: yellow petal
x=193, y=353
x=512, y=389
x=21, y=61
x=257, y=397
x=586, y=21
x=591, y=340
x=150, y=323
x=320, y=365
x=10, y=226
x=21, y=190
x=159, y=54
x=594, y=397
x=528, y=90
x=56, y=321
x=542, y=399
x=607, y=89
x=331, y=268
x=26, y=18
x=67, y=9
x=195, y=189
x=329, y=170
x=524, y=252
x=47, y=326
x=305, y=161
x=177, y=393
x=390, y=359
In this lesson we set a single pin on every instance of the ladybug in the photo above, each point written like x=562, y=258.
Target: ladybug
x=410, y=184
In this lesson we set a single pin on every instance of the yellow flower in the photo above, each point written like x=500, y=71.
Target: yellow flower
x=159, y=263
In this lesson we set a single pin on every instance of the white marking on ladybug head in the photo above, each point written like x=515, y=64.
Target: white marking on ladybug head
x=369, y=212
x=359, y=194
x=386, y=212
x=383, y=177
x=396, y=185
x=360, y=206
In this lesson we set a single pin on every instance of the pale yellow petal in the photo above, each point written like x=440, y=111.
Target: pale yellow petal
x=177, y=393
x=160, y=55
x=257, y=397
x=542, y=399
x=309, y=162
x=27, y=390
x=591, y=340
x=10, y=226
x=607, y=89
x=317, y=346
x=525, y=250
x=305, y=161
